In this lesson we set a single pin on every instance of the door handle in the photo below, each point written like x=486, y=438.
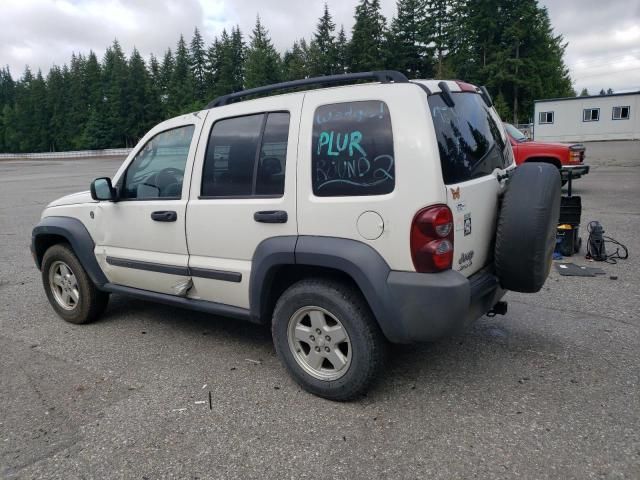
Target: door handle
x=271, y=216
x=164, y=216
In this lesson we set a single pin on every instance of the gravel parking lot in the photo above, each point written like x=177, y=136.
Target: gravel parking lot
x=551, y=390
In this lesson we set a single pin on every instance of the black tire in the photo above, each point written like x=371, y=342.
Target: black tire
x=345, y=303
x=91, y=302
x=527, y=223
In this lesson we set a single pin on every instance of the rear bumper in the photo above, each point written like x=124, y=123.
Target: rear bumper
x=427, y=307
x=576, y=171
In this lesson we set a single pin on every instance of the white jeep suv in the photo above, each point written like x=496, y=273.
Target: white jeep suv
x=343, y=217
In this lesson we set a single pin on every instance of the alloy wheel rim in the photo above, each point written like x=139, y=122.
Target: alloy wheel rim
x=319, y=343
x=64, y=285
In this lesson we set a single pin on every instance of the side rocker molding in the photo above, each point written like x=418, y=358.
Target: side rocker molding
x=74, y=232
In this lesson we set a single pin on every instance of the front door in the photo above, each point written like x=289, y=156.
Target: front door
x=141, y=238
x=243, y=191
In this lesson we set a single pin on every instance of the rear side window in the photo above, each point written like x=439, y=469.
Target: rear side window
x=352, y=150
x=469, y=138
x=246, y=156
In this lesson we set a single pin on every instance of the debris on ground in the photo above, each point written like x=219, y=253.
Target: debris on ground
x=573, y=270
x=255, y=362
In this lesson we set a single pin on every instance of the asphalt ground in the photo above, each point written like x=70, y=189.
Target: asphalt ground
x=551, y=390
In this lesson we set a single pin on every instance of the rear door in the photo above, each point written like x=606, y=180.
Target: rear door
x=243, y=191
x=474, y=151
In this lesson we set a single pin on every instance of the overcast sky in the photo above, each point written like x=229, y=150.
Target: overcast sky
x=603, y=36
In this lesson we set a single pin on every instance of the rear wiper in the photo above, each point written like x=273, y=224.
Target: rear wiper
x=446, y=94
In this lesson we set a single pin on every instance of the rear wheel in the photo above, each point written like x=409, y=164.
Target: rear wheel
x=327, y=339
x=69, y=289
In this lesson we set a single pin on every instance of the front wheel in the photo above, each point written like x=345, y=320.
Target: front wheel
x=326, y=337
x=69, y=289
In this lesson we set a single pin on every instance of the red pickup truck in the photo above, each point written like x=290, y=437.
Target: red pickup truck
x=567, y=157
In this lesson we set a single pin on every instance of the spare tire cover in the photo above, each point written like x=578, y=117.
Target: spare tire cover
x=526, y=234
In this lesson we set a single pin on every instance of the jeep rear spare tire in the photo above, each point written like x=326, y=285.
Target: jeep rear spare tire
x=526, y=234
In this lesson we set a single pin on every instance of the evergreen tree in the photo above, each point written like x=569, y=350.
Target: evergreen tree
x=221, y=59
x=198, y=66
x=138, y=97
x=39, y=109
x=323, y=49
x=342, y=52
x=155, y=107
x=295, y=62
x=507, y=45
x=57, y=106
x=407, y=40
x=181, y=86
x=7, y=96
x=164, y=80
x=262, y=66
x=367, y=47
x=584, y=92
x=609, y=91
x=113, y=114
x=78, y=100
x=238, y=58
x=440, y=33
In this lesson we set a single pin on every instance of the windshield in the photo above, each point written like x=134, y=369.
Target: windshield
x=516, y=134
x=469, y=137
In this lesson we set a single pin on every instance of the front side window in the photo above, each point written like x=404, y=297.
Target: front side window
x=545, y=117
x=157, y=171
x=621, y=113
x=352, y=150
x=469, y=138
x=246, y=156
x=591, y=115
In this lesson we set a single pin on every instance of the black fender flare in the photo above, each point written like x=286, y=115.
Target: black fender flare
x=356, y=259
x=77, y=235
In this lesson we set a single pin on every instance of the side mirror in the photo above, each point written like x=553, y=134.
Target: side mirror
x=101, y=189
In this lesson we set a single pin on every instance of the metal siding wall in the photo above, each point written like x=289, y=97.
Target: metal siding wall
x=569, y=127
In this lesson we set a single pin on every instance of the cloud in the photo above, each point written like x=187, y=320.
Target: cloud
x=42, y=33
x=603, y=51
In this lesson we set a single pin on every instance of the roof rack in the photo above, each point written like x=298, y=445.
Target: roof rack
x=382, y=76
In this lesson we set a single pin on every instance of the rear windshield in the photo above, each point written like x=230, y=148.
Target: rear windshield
x=469, y=138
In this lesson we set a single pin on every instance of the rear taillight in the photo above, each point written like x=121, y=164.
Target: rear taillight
x=432, y=239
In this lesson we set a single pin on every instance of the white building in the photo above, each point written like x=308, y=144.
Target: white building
x=583, y=119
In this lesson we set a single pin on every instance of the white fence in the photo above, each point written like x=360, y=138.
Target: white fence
x=109, y=152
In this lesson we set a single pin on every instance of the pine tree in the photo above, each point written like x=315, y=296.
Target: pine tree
x=115, y=77
x=57, y=107
x=323, y=49
x=181, y=86
x=238, y=58
x=407, y=43
x=584, y=92
x=39, y=109
x=263, y=64
x=138, y=97
x=439, y=14
x=7, y=96
x=367, y=47
x=198, y=66
x=342, y=52
x=155, y=107
x=295, y=62
x=166, y=74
